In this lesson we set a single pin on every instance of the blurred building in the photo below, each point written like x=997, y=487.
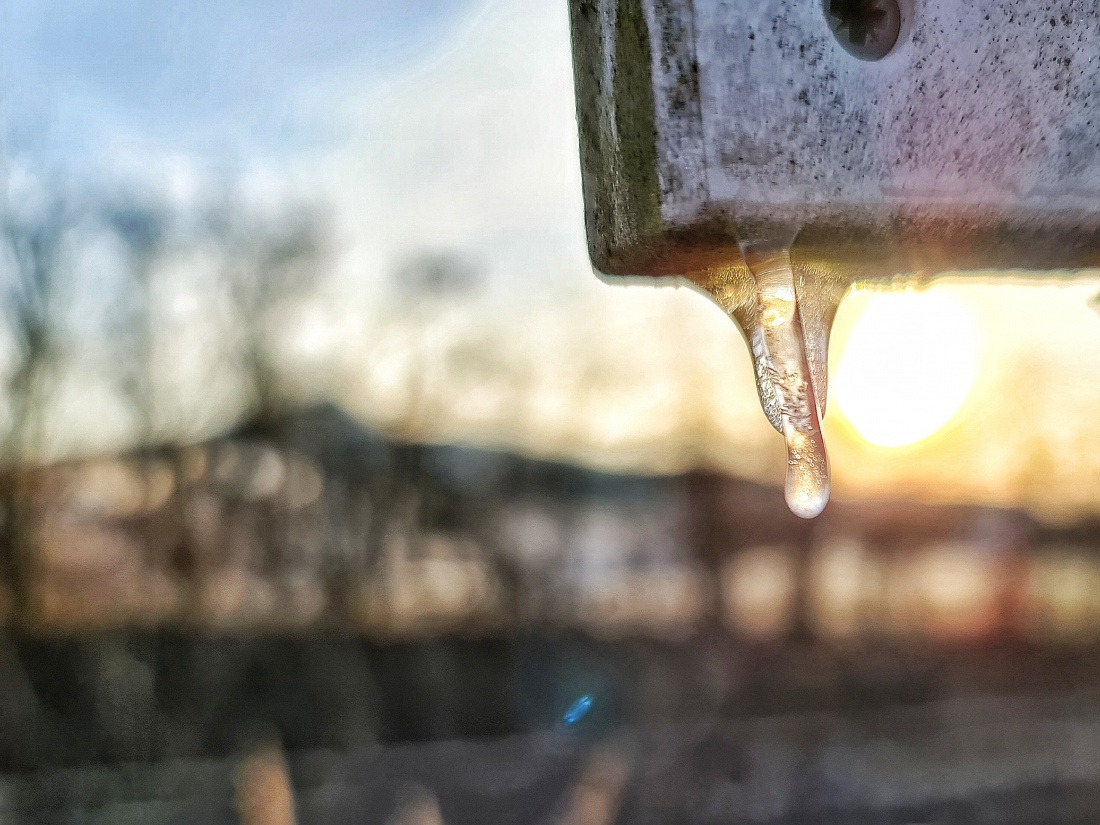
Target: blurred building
x=314, y=521
x=305, y=583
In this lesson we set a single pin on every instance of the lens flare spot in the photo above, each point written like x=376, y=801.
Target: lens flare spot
x=577, y=711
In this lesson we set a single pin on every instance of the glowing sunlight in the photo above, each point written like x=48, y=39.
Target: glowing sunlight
x=907, y=364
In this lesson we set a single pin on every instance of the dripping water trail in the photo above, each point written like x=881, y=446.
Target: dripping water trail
x=784, y=377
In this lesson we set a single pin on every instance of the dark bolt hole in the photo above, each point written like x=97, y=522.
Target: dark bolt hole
x=867, y=29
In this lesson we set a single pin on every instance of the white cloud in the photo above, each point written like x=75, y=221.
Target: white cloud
x=475, y=153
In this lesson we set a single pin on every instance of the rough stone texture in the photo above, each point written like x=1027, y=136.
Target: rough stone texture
x=972, y=146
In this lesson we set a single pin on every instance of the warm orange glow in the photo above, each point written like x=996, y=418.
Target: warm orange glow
x=759, y=590
x=907, y=363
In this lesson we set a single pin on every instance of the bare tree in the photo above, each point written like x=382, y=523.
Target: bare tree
x=263, y=267
x=267, y=267
x=34, y=242
x=143, y=227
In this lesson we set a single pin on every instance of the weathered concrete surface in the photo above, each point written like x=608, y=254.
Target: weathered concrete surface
x=974, y=145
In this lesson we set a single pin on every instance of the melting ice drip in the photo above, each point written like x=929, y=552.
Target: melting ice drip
x=784, y=379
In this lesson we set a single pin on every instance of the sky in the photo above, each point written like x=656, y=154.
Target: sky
x=446, y=127
x=202, y=76
x=428, y=124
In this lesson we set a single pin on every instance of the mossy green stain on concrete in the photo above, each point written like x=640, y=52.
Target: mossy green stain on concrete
x=618, y=165
x=634, y=120
x=595, y=173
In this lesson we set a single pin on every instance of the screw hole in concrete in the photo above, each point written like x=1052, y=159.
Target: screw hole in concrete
x=866, y=29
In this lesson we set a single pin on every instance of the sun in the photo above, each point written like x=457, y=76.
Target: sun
x=907, y=363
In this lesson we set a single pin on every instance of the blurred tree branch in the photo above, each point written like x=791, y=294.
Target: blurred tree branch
x=34, y=240
x=60, y=302
x=268, y=266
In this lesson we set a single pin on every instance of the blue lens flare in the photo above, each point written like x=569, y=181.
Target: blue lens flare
x=577, y=711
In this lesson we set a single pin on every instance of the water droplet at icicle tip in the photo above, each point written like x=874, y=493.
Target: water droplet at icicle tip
x=784, y=377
